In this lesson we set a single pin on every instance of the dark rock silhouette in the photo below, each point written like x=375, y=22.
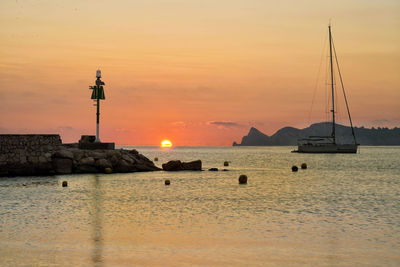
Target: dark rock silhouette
x=173, y=165
x=74, y=160
x=192, y=165
x=288, y=136
x=177, y=165
x=44, y=154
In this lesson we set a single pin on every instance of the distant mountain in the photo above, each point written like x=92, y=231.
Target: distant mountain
x=288, y=136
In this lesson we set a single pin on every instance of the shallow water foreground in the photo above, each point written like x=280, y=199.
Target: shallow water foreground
x=342, y=210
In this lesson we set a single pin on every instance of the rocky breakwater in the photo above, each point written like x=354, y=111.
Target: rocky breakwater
x=25, y=155
x=74, y=160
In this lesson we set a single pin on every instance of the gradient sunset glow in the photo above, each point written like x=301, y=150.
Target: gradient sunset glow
x=201, y=72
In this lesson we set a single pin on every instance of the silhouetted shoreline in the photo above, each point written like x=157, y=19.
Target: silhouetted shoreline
x=288, y=136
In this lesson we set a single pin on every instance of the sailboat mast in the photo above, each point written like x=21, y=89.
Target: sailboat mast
x=333, y=90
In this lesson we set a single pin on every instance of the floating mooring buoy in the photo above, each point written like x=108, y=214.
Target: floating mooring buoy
x=304, y=166
x=242, y=179
x=294, y=168
x=155, y=159
x=226, y=163
x=167, y=182
x=64, y=184
x=108, y=170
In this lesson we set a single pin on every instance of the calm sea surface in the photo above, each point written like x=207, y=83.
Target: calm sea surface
x=342, y=210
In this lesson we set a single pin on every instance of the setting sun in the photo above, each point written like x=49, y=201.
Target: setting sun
x=166, y=143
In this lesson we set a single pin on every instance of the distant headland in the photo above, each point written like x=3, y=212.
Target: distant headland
x=288, y=136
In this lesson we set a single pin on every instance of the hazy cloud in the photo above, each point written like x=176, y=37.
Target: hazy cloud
x=227, y=124
x=179, y=124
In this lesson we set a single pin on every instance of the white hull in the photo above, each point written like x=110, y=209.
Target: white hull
x=327, y=148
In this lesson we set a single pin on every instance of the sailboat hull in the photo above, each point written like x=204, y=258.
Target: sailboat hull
x=327, y=148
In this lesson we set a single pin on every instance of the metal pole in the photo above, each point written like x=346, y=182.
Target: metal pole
x=98, y=116
x=333, y=94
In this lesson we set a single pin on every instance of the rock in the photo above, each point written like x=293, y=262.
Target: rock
x=87, y=161
x=96, y=154
x=141, y=157
x=177, y=165
x=134, y=152
x=62, y=165
x=146, y=167
x=225, y=170
x=213, y=169
x=86, y=169
x=33, y=159
x=124, y=166
x=64, y=154
x=114, y=159
x=102, y=164
x=173, y=165
x=192, y=166
x=42, y=159
x=78, y=154
x=128, y=158
x=110, y=153
x=108, y=170
x=23, y=160
x=155, y=159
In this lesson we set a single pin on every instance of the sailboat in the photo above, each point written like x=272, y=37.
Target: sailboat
x=330, y=144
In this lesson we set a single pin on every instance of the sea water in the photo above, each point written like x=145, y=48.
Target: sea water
x=342, y=210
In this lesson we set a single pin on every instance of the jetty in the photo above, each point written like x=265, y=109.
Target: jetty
x=45, y=154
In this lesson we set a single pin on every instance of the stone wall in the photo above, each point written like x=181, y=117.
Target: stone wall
x=27, y=148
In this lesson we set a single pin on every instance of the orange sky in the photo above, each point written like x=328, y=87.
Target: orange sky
x=197, y=72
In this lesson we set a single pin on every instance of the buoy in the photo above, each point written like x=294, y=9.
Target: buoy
x=304, y=166
x=155, y=159
x=64, y=184
x=242, y=179
x=167, y=182
x=294, y=168
x=213, y=169
x=108, y=170
x=226, y=163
